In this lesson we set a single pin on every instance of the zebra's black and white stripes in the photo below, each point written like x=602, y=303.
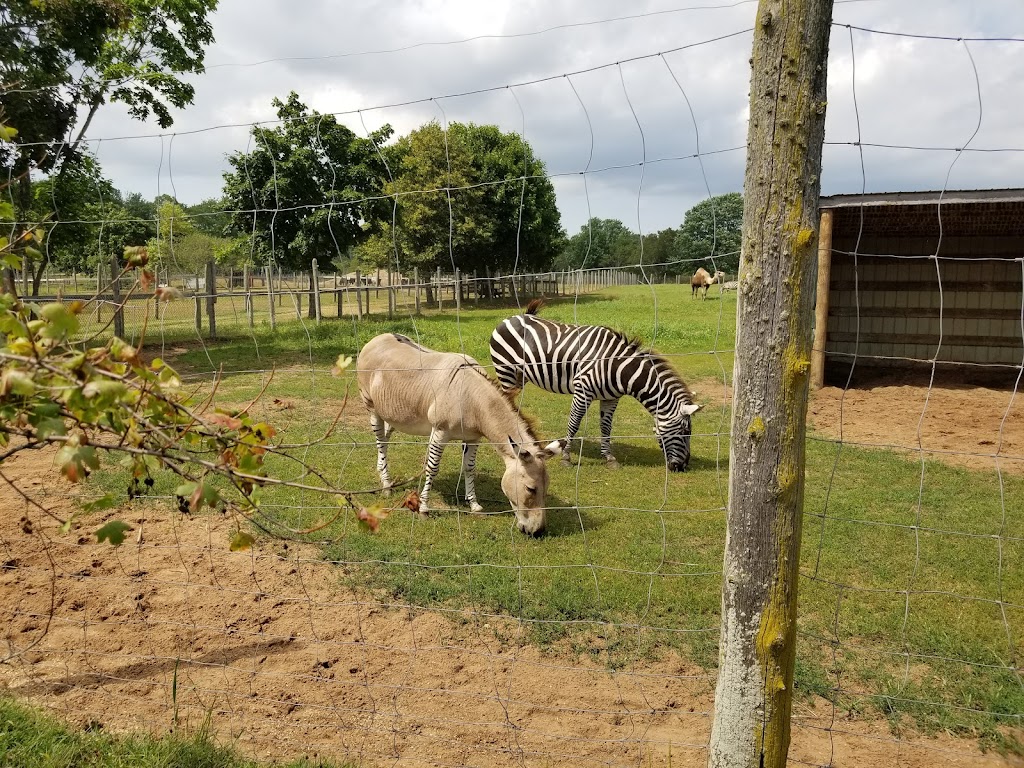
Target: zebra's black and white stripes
x=591, y=363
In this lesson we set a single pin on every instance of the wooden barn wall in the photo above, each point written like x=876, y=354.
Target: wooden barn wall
x=900, y=298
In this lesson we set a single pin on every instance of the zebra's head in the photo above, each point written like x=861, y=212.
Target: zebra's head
x=673, y=436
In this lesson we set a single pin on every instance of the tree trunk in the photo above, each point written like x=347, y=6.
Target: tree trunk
x=773, y=345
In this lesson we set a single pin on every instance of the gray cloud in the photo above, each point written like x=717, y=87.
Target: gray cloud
x=908, y=92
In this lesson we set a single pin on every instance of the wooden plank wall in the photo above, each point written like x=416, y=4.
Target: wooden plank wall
x=978, y=286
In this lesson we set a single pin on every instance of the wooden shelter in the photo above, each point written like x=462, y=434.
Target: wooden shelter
x=909, y=277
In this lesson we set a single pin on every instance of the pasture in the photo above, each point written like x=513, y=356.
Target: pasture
x=912, y=590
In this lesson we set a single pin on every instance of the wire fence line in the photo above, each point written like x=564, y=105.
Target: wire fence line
x=451, y=641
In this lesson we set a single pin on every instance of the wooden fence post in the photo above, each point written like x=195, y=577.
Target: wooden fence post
x=359, y=296
x=269, y=271
x=247, y=286
x=754, y=695
x=416, y=279
x=458, y=290
x=314, y=276
x=211, y=298
x=440, y=304
x=115, y=285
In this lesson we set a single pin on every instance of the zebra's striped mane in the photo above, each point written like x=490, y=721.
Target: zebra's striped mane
x=634, y=345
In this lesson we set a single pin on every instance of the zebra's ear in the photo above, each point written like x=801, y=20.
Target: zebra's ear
x=691, y=408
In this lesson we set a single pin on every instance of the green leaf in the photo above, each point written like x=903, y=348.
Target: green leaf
x=241, y=541
x=114, y=532
x=68, y=524
x=100, y=504
x=46, y=428
x=6, y=212
x=62, y=323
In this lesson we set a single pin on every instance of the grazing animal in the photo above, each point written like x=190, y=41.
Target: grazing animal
x=449, y=396
x=595, y=363
x=703, y=279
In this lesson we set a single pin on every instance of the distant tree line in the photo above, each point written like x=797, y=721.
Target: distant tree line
x=460, y=195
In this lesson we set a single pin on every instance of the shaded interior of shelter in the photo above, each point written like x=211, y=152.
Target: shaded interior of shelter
x=893, y=307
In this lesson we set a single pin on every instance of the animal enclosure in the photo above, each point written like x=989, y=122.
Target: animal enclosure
x=922, y=276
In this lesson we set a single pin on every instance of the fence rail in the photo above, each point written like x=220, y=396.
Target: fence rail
x=226, y=300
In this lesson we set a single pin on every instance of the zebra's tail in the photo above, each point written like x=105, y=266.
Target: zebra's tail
x=534, y=306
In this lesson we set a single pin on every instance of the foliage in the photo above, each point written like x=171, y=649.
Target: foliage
x=61, y=61
x=210, y=217
x=601, y=243
x=502, y=211
x=86, y=216
x=712, y=233
x=303, y=192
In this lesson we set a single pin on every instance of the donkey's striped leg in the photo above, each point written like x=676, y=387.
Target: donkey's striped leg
x=607, y=414
x=438, y=441
x=382, y=431
x=469, y=472
x=580, y=403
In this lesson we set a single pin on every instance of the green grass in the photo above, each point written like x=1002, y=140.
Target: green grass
x=29, y=739
x=631, y=564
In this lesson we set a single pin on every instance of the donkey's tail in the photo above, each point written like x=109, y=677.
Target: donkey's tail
x=534, y=306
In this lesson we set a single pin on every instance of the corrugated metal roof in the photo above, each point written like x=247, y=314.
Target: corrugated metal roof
x=950, y=196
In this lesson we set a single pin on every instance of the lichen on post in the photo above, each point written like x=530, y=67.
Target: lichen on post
x=775, y=303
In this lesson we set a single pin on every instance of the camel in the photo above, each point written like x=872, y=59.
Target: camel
x=703, y=279
x=449, y=396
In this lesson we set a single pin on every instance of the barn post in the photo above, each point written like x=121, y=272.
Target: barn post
x=314, y=279
x=458, y=289
x=821, y=300
x=785, y=131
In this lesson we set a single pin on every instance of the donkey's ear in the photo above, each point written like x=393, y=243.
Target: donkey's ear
x=553, y=449
x=519, y=452
x=691, y=408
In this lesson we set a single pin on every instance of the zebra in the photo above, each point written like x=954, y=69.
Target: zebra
x=592, y=362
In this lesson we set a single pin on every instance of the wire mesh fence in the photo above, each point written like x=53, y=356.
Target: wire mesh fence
x=451, y=639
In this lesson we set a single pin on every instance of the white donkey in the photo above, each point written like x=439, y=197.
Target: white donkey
x=449, y=397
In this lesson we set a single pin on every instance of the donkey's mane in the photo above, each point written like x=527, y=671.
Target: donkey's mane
x=532, y=425
x=634, y=345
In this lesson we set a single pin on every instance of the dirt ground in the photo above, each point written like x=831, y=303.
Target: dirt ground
x=963, y=424
x=285, y=662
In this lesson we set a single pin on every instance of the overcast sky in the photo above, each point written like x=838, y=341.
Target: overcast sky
x=914, y=92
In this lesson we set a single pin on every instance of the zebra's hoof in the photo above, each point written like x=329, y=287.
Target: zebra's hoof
x=475, y=508
x=424, y=509
x=566, y=460
x=611, y=463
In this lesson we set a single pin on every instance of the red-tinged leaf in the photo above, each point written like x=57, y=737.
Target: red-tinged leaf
x=241, y=541
x=224, y=420
x=165, y=293
x=369, y=517
x=114, y=532
x=147, y=279
x=411, y=501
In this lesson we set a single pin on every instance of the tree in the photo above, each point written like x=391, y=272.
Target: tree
x=173, y=225
x=210, y=217
x=601, y=243
x=66, y=59
x=306, y=191
x=503, y=212
x=712, y=229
